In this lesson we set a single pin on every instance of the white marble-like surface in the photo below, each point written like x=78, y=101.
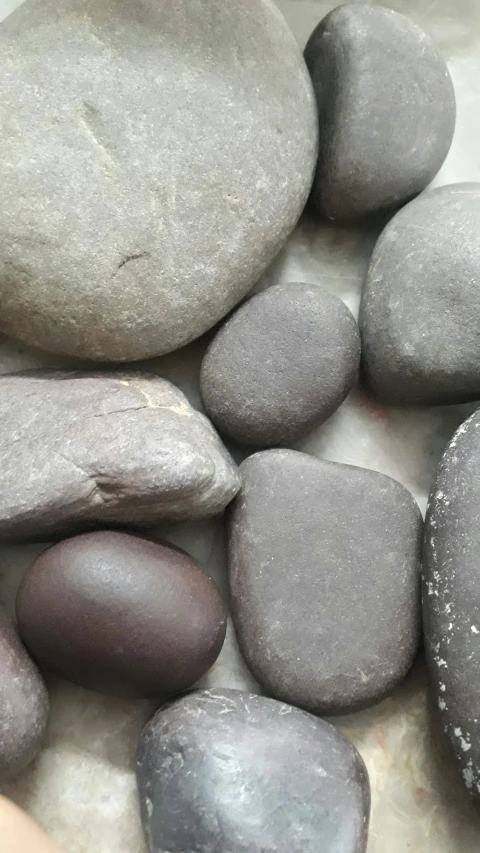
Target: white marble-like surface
x=82, y=787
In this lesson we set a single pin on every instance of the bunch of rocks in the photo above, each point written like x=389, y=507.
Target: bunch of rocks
x=183, y=171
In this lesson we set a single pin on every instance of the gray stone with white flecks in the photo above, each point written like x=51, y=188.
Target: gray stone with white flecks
x=451, y=599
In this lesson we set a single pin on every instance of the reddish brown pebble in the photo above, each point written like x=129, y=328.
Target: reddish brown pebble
x=120, y=614
x=23, y=703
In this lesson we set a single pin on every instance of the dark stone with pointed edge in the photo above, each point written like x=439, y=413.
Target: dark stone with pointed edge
x=386, y=106
x=121, y=614
x=325, y=583
x=83, y=450
x=225, y=770
x=23, y=703
x=280, y=365
x=420, y=313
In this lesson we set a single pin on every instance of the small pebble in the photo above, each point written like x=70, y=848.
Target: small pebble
x=420, y=312
x=120, y=614
x=23, y=703
x=224, y=770
x=451, y=599
x=386, y=109
x=324, y=564
x=280, y=365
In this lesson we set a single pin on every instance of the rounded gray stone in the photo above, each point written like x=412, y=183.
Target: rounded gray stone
x=324, y=566
x=82, y=450
x=280, y=365
x=451, y=599
x=222, y=770
x=420, y=311
x=386, y=107
x=153, y=161
x=23, y=703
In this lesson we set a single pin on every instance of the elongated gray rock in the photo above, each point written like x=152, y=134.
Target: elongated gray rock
x=325, y=583
x=281, y=364
x=451, y=599
x=226, y=770
x=80, y=450
x=420, y=311
x=23, y=703
x=386, y=106
x=153, y=161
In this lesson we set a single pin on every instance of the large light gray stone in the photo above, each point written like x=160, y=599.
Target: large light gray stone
x=79, y=450
x=154, y=156
x=451, y=599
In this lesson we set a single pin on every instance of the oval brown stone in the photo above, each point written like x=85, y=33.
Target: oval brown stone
x=120, y=614
x=23, y=703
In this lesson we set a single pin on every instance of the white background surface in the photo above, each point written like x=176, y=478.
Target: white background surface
x=82, y=787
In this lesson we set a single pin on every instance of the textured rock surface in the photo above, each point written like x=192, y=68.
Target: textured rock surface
x=282, y=364
x=420, y=315
x=23, y=703
x=152, y=164
x=83, y=449
x=386, y=107
x=452, y=598
x=121, y=614
x=228, y=770
x=418, y=803
x=324, y=576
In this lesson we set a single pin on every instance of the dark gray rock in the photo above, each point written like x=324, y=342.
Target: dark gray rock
x=325, y=583
x=153, y=161
x=451, y=599
x=386, y=106
x=80, y=450
x=23, y=703
x=121, y=614
x=420, y=312
x=225, y=770
x=281, y=364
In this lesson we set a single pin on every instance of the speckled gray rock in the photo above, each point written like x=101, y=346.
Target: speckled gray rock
x=281, y=364
x=23, y=703
x=80, y=450
x=386, y=106
x=451, y=598
x=225, y=770
x=325, y=583
x=420, y=312
x=153, y=161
